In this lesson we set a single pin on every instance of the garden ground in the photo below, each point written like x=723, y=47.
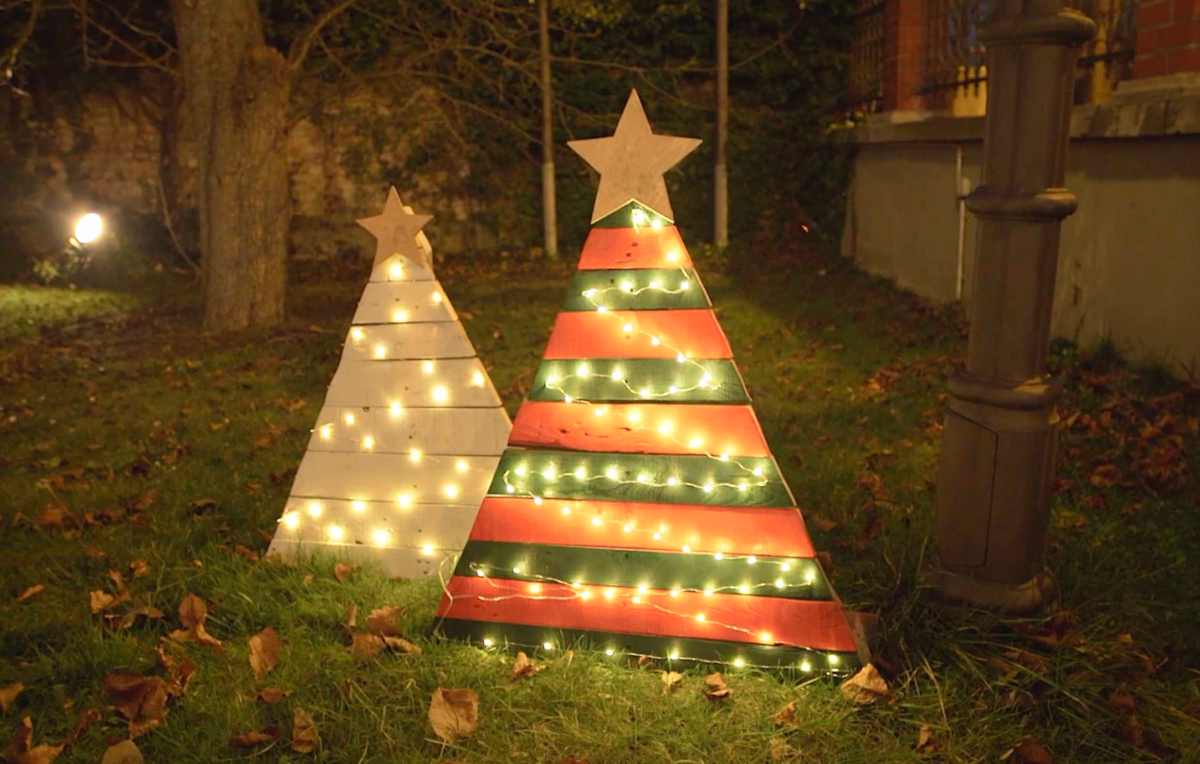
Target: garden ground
x=142, y=461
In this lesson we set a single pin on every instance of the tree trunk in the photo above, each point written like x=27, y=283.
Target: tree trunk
x=236, y=95
x=720, y=182
x=549, y=206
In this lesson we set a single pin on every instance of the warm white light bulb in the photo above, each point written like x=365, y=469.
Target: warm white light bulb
x=405, y=500
x=368, y=442
x=765, y=636
x=645, y=392
x=751, y=560
x=597, y=520
x=680, y=358
x=685, y=285
x=655, y=341
x=535, y=588
x=666, y=427
x=673, y=655
x=335, y=533
x=427, y=550
x=349, y=419
x=780, y=583
x=395, y=409
x=461, y=466
x=608, y=651
x=477, y=378
x=627, y=286
x=380, y=350
x=580, y=472
x=437, y=298
x=414, y=455
x=566, y=510
x=708, y=486
x=583, y=369
x=672, y=481
x=627, y=328
x=695, y=442
x=359, y=506
x=488, y=641
x=547, y=646
x=643, y=478
x=380, y=537
x=315, y=509
x=326, y=432
x=451, y=491
x=638, y=216
x=395, y=271
x=441, y=394
x=357, y=334
x=88, y=228
x=550, y=473
x=521, y=470
x=291, y=521
x=612, y=473
x=739, y=662
x=673, y=255
x=399, y=315
x=634, y=416
x=537, y=501
x=427, y=367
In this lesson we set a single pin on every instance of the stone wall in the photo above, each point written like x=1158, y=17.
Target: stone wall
x=1129, y=265
x=104, y=148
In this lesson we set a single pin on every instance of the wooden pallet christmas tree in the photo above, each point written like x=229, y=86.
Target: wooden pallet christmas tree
x=411, y=429
x=638, y=507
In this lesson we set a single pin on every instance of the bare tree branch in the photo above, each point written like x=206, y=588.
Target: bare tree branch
x=302, y=44
x=10, y=55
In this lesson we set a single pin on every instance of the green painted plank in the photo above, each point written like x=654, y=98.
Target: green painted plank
x=652, y=478
x=803, y=579
x=636, y=289
x=615, y=380
x=798, y=662
x=626, y=217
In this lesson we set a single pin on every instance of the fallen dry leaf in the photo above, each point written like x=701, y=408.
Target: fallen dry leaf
x=124, y=752
x=715, y=687
x=523, y=667
x=1030, y=751
x=782, y=750
x=786, y=715
x=401, y=645
x=193, y=612
x=866, y=687
x=271, y=695
x=342, y=571
x=363, y=646
x=128, y=619
x=31, y=592
x=101, y=600
x=256, y=738
x=140, y=699
x=139, y=568
x=670, y=680
x=22, y=751
x=454, y=713
x=926, y=742
x=385, y=621
x=304, y=732
x=8, y=695
x=264, y=652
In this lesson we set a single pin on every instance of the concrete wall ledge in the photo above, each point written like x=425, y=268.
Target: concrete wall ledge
x=1146, y=108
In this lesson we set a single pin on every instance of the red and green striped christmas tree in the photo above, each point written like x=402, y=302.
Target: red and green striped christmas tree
x=637, y=507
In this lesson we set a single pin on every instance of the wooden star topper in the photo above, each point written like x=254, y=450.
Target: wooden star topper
x=631, y=162
x=397, y=233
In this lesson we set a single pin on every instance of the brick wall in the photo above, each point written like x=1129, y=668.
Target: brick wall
x=1168, y=37
x=904, y=53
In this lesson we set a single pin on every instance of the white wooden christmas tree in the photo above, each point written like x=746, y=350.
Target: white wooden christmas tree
x=411, y=429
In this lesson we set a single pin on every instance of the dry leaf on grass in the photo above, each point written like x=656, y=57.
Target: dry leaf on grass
x=401, y=645
x=365, y=646
x=866, y=687
x=255, y=739
x=926, y=742
x=670, y=680
x=454, y=713
x=101, y=600
x=523, y=667
x=264, y=652
x=385, y=621
x=124, y=752
x=1030, y=751
x=128, y=619
x=8, y=695
x=715, y=687
x=31, y=592
x=140, y=699
x=342, y=571
x=786, y=715
x=22, y=751
x=272, y=695
x=192, y=614
x=304, y=732
x=139, y=568
x=781, y=750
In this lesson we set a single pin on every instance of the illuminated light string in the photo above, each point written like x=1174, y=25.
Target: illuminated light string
x=628, y=287
x=641, y=596
x=583, y=370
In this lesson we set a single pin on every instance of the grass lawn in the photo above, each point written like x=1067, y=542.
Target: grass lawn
x=132, y=443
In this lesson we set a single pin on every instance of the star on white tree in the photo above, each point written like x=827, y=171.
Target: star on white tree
x=397, y=231
x=631, y=162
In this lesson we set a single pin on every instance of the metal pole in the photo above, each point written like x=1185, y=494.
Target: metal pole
x=549, y=206
x=720, y=180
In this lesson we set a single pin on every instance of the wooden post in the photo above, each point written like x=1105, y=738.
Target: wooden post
x=720, y=179
x=549, y=206
x=998, y=447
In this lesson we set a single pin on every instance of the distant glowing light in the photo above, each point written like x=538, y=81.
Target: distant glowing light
x=380, y=537
x=335, y=533
x=88, y=228
x=441, y=394
x=291, y=521
x=477, y=378
x=315, y=509
x=461, y=466
x=426, y=367
x=451, y=490
x=359, y=506
x=414, y=455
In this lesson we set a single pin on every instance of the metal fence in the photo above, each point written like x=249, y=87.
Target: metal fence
x=866, y=58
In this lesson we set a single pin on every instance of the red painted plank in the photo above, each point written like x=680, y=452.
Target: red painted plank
x=695, y=428
x=631, y=333
x=733, y=531
x=642, y=247
x=801, y=623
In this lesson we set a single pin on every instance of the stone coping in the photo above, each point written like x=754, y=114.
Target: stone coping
x=1151, y=107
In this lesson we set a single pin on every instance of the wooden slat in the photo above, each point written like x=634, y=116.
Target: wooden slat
x=449, y=431
x=381, y=301
x=694, y=428
x=383, y=273
x=695, y=333
x=399, y=562
x=634, y=248
x=409, y=341
x=441, y=525
x=386, y=477
x=380, y=383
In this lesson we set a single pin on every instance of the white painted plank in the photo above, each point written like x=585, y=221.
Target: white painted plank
x=412, y=383
x=400, y=562
x=452, y=431
x=398, y=302
x=379, y=342
x=381, y=524
x=396, y=270
x=389, y=477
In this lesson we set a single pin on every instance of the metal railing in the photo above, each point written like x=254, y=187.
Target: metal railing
x=956, y=74
x=866, y=58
